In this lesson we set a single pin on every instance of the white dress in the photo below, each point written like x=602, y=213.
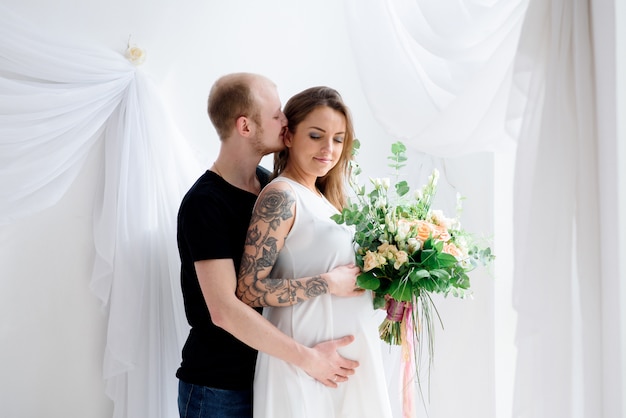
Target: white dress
x=315, y=245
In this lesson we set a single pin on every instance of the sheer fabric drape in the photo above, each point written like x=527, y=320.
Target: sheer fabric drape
x=557, y=245
x=56, y=101
x=437, y=74
x=448, y=78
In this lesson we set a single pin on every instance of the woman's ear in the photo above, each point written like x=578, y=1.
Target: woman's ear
x=288, y=138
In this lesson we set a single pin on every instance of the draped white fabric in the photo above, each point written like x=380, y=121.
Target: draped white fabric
x=437, y=74
x=557, y=280
x=56, y=101
x=453, y=81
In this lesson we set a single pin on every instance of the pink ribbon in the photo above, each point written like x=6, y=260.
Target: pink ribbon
x=408, y=353
x=395, y=310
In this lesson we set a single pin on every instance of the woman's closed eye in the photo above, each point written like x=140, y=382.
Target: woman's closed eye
x=316, y=136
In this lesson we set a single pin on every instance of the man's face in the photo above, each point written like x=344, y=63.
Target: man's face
x=270, y=132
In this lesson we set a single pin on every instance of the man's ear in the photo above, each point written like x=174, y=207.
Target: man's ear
x=243, y=126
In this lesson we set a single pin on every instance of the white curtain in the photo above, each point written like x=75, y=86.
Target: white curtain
x=57, y=100
x=453, y=81
x=437, y=73
x=557, y=246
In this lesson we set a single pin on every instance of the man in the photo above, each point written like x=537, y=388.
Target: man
x=218, y=359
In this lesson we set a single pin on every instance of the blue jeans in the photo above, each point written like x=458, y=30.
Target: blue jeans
x=195, y=401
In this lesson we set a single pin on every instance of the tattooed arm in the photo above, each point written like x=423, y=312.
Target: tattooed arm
x=272, y=219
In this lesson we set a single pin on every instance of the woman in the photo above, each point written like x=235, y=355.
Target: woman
x=291, y=235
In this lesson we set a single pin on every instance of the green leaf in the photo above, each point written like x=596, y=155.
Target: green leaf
x=338, y=218
x=379, y=301
x=398, y=147
x=428, y=259
x=462, y=281
x=368, y=281
x=440, y=274
x=427, y=284
x=402, y=188
x=401, y=290
x=446, y=260
x=417, y=274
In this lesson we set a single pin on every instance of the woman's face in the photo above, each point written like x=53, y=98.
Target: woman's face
x=316, y=145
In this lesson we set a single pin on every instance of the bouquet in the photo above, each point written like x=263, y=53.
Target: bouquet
x=408, y=251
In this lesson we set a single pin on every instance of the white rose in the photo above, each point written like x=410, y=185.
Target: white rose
x=135, y=55
x=413, y=245
x=403, y=229
x=390, y=222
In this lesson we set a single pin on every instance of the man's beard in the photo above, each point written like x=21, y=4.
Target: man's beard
x=262, y=147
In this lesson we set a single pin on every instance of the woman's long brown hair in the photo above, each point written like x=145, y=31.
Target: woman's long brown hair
x=333, y=184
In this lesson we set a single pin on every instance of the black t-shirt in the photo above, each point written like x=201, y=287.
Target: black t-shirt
x=213, y=221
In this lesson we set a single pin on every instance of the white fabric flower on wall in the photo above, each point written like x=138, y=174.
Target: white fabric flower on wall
x=135, y=54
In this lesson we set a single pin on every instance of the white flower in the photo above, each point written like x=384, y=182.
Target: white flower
x=135, y=54
x=434, y=176
x=414, y=244
x=390, y=222
x=403, y=229
x=385, y=183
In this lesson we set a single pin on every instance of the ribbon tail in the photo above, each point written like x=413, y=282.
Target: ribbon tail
x=408, y=357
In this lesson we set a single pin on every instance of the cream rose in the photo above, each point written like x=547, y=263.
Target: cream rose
x=452, y=249
x=401, y=258
x=424, y=229
x=135, y=55
x=441, y=233
x=387, y=250
x=373, y=260
x=440, y=219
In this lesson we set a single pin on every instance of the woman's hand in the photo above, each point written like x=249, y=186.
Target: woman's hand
x=342, y=281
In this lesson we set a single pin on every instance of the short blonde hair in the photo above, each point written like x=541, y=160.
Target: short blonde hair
x=232, y=96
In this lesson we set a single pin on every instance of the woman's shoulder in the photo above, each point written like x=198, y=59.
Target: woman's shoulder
x=279, y=184
x=278, y=190
x=282, y=185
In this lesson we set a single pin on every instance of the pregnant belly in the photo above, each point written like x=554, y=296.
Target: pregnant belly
x=324, y=318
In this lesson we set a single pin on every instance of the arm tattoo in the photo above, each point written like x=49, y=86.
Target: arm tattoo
x=270, y=210
x=273, y=208
x=316, y=286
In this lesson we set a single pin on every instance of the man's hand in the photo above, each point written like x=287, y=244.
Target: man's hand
x=342, y=281
x=327, y=366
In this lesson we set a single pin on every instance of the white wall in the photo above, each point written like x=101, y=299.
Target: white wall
x=52, y=328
